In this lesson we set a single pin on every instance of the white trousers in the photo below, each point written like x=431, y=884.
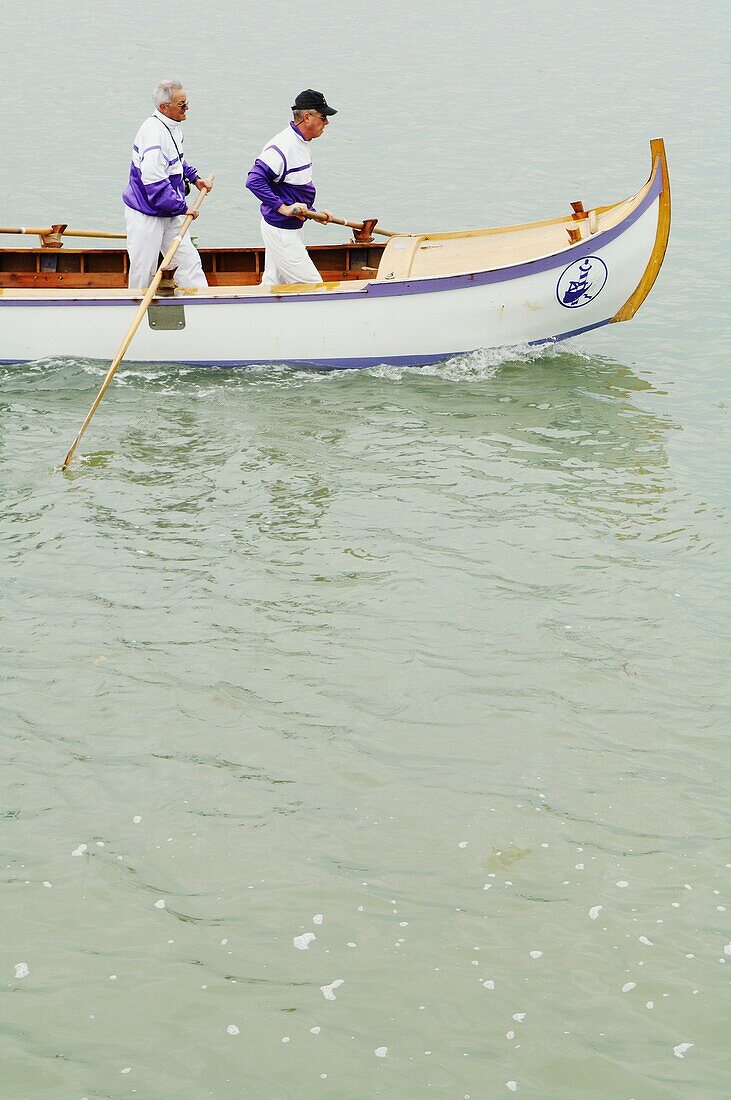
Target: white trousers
x=147, y=237
x=286, y=259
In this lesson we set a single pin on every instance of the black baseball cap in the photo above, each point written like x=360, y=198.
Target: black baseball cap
x=310, y=100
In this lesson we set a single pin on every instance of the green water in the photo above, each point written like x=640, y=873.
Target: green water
x=429, y=664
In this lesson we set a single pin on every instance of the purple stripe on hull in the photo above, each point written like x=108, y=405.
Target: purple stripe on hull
x=354, y=363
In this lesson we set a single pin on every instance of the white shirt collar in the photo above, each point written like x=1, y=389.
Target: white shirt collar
x=169, y=122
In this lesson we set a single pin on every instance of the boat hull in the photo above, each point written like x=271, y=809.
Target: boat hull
x=406, y=321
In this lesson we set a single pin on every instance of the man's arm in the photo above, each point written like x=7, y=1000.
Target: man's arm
x=193, y=176
x=259, y=181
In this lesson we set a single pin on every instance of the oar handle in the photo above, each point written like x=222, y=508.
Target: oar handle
x=34, y=232
x=149, y=295
x=316, y=216
x=94, y=233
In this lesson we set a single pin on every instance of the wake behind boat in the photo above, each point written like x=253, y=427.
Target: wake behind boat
x=418, y=299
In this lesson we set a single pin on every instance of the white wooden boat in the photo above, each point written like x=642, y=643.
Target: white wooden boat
x=418, y=299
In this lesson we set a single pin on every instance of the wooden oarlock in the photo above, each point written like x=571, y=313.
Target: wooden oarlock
x=53, y=239
x=580, y=215
x=365, y=235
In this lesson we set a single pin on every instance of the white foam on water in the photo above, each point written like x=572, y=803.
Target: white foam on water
x=519, y=1016
x=536, y=954
x=136, y=819
x=80, y=850
x=381, y=1052
x=489, y=984
x=232, y=1029
x=622, y=884
x=303, y=942
x=680, y=1049
x=22, y=970
x=727, y=949
x=160, y=903
x=629, y=985
x=512, y=1085
x=647, y=943
x=318, y=918
x=470, y=366
x=315, y=1030
x=595, y=911
x=327, y=990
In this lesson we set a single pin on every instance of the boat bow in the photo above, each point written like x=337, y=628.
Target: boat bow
x=646, y=283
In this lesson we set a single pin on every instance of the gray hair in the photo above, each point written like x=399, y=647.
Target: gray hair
x=162, y=93
x=297, y=116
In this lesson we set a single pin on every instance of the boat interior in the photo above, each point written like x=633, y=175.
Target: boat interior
x=55, y=266
x=106, y=268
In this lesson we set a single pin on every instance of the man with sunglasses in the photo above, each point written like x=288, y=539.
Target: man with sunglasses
x=281, y=178
x=155, y=197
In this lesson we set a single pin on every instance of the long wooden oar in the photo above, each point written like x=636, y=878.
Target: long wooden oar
x=51, y=230
x=136, y=323
x=315, y=216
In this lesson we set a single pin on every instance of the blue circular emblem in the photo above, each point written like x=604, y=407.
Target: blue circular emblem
x=581, y=282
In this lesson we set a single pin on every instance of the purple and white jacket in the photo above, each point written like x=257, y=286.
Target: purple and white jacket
x=157, y=171
x=281, y=175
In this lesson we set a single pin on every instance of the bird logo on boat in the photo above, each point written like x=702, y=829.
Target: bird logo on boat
x=581, y=282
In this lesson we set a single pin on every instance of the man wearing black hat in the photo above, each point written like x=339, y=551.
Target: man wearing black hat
x=281, y=178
